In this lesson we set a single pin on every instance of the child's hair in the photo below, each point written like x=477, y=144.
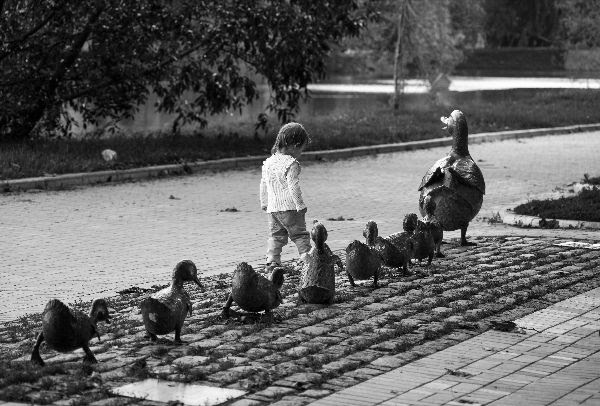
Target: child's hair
x=290, y=134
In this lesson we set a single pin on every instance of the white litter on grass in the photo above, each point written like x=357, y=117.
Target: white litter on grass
x=167, y=391
x=109, y=155
x=577, y=244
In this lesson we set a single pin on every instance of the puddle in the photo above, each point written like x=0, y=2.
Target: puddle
x=167, y=391
x=576, y=244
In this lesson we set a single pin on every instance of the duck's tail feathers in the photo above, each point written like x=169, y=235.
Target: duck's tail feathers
x=57, y=307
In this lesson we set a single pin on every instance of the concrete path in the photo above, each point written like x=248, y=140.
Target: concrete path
x=554, y=360
x=92, y=242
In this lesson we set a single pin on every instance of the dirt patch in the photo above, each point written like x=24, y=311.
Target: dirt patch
x=584, y=206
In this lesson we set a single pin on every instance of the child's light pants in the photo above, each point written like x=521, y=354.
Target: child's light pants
x=284, y=224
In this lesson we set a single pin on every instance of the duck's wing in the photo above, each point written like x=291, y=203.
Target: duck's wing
x=264, y=285
x=436, y=172
x=467, y=172
x=398, y=239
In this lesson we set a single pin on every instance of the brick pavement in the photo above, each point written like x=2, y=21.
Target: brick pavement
x=90, y=242
x=555, y=360
x=313, y=351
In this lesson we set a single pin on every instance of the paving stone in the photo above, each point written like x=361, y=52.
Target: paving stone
x=388, y=361
x=191, y=361
x=293, y=401
x=247, y=402
x=275, y=391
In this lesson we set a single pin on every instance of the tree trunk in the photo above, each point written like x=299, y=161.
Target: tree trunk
x=398, y=85
x=47, y=97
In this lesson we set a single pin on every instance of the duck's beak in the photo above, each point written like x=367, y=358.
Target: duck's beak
x=198, y=282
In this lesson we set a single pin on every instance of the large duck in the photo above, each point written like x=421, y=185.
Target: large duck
x=253, y=292
x=317, y=280
x=66, y=329
x=455, y=183
x=166, y=310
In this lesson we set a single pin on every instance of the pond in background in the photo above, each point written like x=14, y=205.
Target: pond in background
x=341, y=98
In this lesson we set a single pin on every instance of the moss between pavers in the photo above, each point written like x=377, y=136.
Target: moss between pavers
x=410, y=317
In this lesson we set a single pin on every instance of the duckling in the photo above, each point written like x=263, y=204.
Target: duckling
x=409, y=224
x=362, y=262
x=402, y=240
x=390, y=254
x=66, y=329
x=166, y=310
x=436, y=228
x=454, y=183
x=423, y=241
x=253, y=292
x=317, y=280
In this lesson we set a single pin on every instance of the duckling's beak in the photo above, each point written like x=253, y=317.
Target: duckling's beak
x=198, y=282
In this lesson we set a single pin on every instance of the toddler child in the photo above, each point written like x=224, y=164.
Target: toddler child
x=280, y=194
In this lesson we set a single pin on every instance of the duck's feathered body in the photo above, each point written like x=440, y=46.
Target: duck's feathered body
x=437, y=232
x=454, y=184
x=66, y=329
x=424, y=245
x=317, y=279
x=165, y=311
x=391, y=255
x=436, y=229
x=362, y=262
x=252, y=291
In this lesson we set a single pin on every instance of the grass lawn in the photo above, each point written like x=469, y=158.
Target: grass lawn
x=373, y=123
x=585, y=206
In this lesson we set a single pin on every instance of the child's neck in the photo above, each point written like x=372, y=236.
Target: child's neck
x=292, y=151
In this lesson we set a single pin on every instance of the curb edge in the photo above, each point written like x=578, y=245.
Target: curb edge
x=123, y=175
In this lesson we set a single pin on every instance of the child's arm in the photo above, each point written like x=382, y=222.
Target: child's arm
x=264, y=196
x=293, y=181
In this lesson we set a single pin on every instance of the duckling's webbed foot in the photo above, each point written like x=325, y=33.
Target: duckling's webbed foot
x=405, y=271
x=178, y=335
x=225, y=311
x=351, y=279
x=89, y=356
x=35, y=354
x=375, y=278
x=439, y=255
x=151, y=336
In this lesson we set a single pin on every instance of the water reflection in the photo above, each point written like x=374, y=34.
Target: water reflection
x=167, y=391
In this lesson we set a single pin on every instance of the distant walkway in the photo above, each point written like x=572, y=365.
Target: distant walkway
x=460, y=84
x=94, y=241
x=555, y=361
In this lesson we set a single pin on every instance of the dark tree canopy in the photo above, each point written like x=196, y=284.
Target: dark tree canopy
x=512, y=23
x=102, y=58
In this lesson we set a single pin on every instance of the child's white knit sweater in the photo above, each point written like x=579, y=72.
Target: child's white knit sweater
x=280, y=184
